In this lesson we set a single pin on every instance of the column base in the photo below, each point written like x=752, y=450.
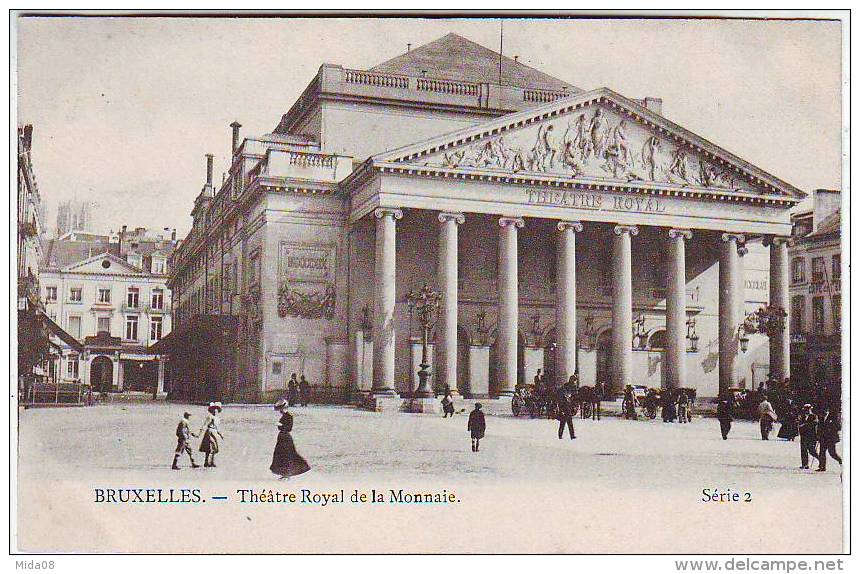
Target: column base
x=382, y=401
x=425, y=405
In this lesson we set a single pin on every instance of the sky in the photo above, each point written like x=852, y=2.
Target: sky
x=124, y=109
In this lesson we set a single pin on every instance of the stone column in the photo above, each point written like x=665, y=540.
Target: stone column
x=622, y=307
x=384, y=299
x=676, y=309
x=508, y=329
x=780, y=352
x=447, y=277
x=565, y=305
x=161, y=365
x=730, y=307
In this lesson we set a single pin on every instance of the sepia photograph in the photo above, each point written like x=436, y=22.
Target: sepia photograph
x=436, y=283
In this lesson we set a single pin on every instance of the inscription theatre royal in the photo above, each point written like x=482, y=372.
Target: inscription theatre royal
x=567, y=230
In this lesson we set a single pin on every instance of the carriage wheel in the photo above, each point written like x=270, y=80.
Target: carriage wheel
x=586, y=410
x=652, y=413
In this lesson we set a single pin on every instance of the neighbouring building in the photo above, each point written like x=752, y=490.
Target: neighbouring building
x=73, y=215
x=112, y=297
x=816, y=293
x=571, y=230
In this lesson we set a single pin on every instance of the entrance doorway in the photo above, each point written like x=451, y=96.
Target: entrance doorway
x=604, y=362
x=101, y=374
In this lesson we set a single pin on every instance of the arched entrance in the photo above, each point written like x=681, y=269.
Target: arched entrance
x=603, y=373
x=101, y=374
x=657, y=357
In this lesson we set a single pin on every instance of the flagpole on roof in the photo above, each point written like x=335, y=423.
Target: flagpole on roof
x=501, y=47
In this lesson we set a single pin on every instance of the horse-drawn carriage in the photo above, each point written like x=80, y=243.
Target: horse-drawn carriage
x=652, y=400
x=542, y=401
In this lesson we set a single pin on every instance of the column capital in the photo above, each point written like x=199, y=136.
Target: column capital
x=393, y=212
x=576, y=226
x=505, y=221
x=776, y=240
x=457, y=217
x=680, y=233
x=736, y=237
x=631, y=229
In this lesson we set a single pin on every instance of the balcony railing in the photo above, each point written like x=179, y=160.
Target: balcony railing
x=375, y=79
x=543, y=96
x=448, y=87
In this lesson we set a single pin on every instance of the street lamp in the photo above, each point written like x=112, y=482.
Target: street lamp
x=692, y=337
x=424, y=303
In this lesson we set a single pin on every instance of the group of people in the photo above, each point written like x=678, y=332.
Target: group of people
x=675, y=405
x=298, y=391
x=209, y=443
x=819, y=432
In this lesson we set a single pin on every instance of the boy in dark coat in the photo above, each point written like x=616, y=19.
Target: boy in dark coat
x=807, y=426
x=828, y=436
x=477, y=425
x=724, y=415
x=183, y=435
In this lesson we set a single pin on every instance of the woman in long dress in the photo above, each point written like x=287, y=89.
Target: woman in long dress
x=286, y=461
x=211, y=441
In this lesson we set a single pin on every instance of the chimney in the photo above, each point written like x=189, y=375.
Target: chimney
x=209, y=158
x=173, y=235
x=235, y=126
x=653, y=104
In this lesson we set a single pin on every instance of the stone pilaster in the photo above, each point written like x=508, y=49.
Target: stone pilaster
x=384, y=300
x=780, y=351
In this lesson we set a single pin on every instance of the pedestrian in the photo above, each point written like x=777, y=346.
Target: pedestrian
x=477, y=426
x=807, y=426
x=564, y=413
x=788, y=428
x=724, y=415
x=668, y=400
x=286, y=461
x=683, y=403
x=183, y=437
x=211, y=441
x=447, y=403
x=293, y=390
x=828, y=436
x=304, y=391
x=629, y=403
x=766, y=416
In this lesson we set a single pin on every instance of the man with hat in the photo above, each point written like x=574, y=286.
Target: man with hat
x=183, y=436
x=807, y=426
x=477, y=425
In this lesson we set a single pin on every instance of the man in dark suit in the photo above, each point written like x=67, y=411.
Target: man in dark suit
x=807, y=426
x=304, y=391
x=477, y=426
x=565, y=412
x=724, y=415
x=828, y=436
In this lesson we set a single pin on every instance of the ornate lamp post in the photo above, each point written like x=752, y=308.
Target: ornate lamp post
x=766, y=320
x=424, y=303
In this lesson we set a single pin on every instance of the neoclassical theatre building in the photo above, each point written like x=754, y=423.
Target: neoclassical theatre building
x=567, y=230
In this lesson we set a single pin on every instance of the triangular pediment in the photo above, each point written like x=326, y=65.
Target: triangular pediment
x=594, y=136
x=104, y=264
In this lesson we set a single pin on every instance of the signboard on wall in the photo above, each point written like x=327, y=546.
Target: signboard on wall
x=306, y=285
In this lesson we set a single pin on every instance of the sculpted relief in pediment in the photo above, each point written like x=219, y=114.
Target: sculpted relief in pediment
x=592, y=142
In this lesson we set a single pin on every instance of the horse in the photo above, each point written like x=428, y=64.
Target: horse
x=589, y=399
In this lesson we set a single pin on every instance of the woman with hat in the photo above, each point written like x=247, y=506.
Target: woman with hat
x=286, y=461
x=212, y=436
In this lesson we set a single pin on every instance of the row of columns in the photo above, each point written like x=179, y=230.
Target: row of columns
x=730, y=303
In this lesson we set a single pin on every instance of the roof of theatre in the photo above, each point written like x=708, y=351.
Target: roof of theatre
x=454, y=57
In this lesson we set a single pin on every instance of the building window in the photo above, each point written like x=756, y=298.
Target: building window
x=155, y=329
x=73, y=326
x=103, y=295
x=797, y=311
x=158, y=299
x=837, y=313
x=798, y=270
x=76, y=294
x=103, y=325
x=819, y=270
x=52, y=315
x=50, y=294
x=132, y=298
x=836, y=267
x=131, y=328
x=72, y=367
x=159, y=266
x=818, y=315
